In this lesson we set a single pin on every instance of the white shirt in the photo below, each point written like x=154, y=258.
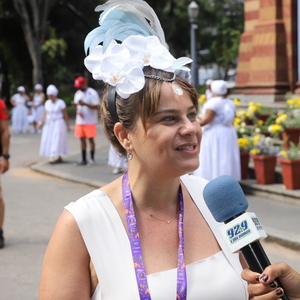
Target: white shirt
x=86, y=115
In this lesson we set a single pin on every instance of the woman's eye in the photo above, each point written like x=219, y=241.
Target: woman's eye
x=169, y=118
x=192, y=115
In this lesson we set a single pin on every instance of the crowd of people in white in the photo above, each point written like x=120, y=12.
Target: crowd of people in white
x=46, y=114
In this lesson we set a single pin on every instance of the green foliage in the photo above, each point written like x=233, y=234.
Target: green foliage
x=54, y=48
x=219, y=26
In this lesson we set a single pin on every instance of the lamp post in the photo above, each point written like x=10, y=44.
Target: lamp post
x=193, y=11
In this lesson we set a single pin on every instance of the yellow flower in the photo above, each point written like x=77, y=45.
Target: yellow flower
x=281, y=119
x=293, y=103
x=236, y=101
x=254, y=107
x=237, y=121
x=254, y=151
x=260, y=122
x=256, y=139
x=243, y=114
x=202, y=99
x=283, y=153
x=275, y=128
x=243, y=142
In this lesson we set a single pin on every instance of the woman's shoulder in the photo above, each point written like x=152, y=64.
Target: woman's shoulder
x=213, y=102
x=193, y=183
x=86, y=200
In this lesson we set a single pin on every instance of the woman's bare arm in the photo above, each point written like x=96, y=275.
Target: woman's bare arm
x=65, y=271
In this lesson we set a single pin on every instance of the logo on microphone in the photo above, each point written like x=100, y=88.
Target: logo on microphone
x=242, y=231
x=238, y=231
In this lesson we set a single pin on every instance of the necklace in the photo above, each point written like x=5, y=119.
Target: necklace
x=168, y=222
x=152, y=216
x=136, y=249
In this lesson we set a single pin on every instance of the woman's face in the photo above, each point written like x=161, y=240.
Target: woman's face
x=52, y=97
x=171, y=143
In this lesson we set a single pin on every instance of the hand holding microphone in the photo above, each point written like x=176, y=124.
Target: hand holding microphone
x=242, y=230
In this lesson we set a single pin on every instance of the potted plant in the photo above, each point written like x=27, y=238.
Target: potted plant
x=245, y=144
x=264, y=158
x=290, y=128
x=263, y=127
x=290, y=166
x=260, y=112
x=244, y=117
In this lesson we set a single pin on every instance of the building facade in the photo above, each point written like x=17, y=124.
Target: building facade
x=268, y=52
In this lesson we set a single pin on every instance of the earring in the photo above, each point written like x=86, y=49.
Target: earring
x=129, y=155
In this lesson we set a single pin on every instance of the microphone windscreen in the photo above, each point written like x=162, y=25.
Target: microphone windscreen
x=224, y=198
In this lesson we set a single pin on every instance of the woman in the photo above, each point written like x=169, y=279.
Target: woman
x=90, y=248
x=148, y=233
x=20, y=111
x=54, y=140
x=219, y=153
x=38, y=105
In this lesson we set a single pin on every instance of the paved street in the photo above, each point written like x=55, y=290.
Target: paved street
x=35, y=200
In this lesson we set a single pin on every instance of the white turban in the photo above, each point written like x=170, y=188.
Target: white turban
x=208, y=82
x=219, y=87
x=52, y=90
x=38, y=86
x=21, y=89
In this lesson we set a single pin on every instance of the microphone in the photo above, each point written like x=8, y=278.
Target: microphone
x=242, y=230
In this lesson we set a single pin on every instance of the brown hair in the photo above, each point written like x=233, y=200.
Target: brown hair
x=141, y=104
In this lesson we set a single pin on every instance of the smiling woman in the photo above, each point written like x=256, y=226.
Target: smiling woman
x=148, y=234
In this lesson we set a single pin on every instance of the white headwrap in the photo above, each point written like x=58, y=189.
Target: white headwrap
x=38, y=86
x=219, y=87
x=208, y=82
x=52, y=90
x=21, y=89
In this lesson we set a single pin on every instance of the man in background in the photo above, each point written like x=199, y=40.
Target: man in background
x=4, y=158
x=86, y=101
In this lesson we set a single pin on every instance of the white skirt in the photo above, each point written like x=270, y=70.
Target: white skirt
x=115, y=159
x=54, y=140
x=219, y=153
x=19, y=118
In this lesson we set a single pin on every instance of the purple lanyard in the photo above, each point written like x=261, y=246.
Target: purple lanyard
x=136, y=249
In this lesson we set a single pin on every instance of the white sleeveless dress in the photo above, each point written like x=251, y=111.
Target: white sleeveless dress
x=214, y=278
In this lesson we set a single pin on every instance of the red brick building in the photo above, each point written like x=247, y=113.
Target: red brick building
x=268, y=64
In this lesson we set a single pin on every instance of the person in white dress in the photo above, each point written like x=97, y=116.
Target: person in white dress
x=208, y=92
x=116, y=160
x=219, y=153
x=20, y=111
x=55, y=123
x=37, y=106
x=148, y=234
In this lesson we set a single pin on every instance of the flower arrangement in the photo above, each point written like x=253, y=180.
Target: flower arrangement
x=121, y=65
x=264, y=146
x=275, y=129
x=256, y=108
x=245, y=143
x=293, y=103
x=242, y=129
x=287, y=121
x=244, y=116
x=292, y=153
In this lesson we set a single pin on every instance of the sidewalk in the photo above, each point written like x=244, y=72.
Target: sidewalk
x=277, y=209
